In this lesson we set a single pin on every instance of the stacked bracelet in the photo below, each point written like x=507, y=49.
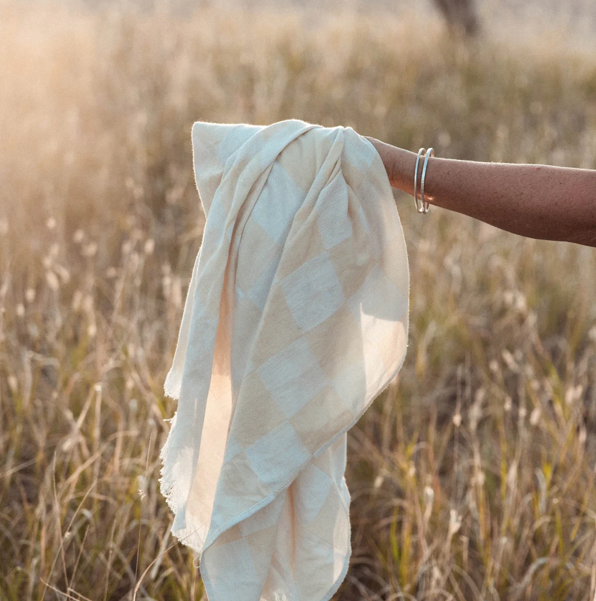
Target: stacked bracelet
x=421, y=206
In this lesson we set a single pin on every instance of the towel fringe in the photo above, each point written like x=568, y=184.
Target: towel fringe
x=175, y=493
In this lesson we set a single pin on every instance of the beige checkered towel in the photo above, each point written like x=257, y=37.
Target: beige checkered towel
x=296, y=319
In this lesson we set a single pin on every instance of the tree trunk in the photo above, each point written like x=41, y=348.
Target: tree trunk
x=460, y=15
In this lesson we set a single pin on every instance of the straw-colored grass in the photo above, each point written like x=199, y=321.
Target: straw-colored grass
x=472, y=477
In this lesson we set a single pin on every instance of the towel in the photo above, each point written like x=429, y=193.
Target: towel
x=296, y=318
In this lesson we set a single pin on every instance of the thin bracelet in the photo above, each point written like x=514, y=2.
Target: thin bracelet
x=429, y=153
x=419, y=208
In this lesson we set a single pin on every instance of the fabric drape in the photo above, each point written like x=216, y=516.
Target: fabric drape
x=296, y=318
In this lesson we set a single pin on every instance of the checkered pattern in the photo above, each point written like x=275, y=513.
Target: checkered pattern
x=296, y=319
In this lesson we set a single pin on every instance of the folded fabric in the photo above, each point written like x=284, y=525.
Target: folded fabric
x=296, y=318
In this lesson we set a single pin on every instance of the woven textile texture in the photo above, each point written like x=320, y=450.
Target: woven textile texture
x=296, y=318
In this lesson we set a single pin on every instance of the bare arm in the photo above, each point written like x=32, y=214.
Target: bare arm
x=537, y=201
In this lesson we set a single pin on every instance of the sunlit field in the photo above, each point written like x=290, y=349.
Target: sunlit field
x=472, y=475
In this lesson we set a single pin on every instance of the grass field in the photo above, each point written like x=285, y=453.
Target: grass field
x=472, y=476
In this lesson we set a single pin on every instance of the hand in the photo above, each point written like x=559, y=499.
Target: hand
x=386, y=155
x=399, y=164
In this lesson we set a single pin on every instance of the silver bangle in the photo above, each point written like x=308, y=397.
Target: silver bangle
x=429, y=153
x=421, y=206
x=416, y=179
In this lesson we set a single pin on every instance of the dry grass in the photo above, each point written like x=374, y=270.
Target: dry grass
x=472, y=477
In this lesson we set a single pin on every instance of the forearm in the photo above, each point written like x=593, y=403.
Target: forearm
x=537, y=201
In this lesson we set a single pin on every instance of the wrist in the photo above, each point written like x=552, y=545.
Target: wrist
x=404, y=167
x=404, y=164
x=399, y=164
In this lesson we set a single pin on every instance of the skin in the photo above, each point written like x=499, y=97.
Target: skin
x=537, y=201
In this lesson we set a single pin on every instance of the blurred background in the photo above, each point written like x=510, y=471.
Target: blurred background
x=472, y=475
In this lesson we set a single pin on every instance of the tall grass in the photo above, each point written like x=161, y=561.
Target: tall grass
x=472, y=476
